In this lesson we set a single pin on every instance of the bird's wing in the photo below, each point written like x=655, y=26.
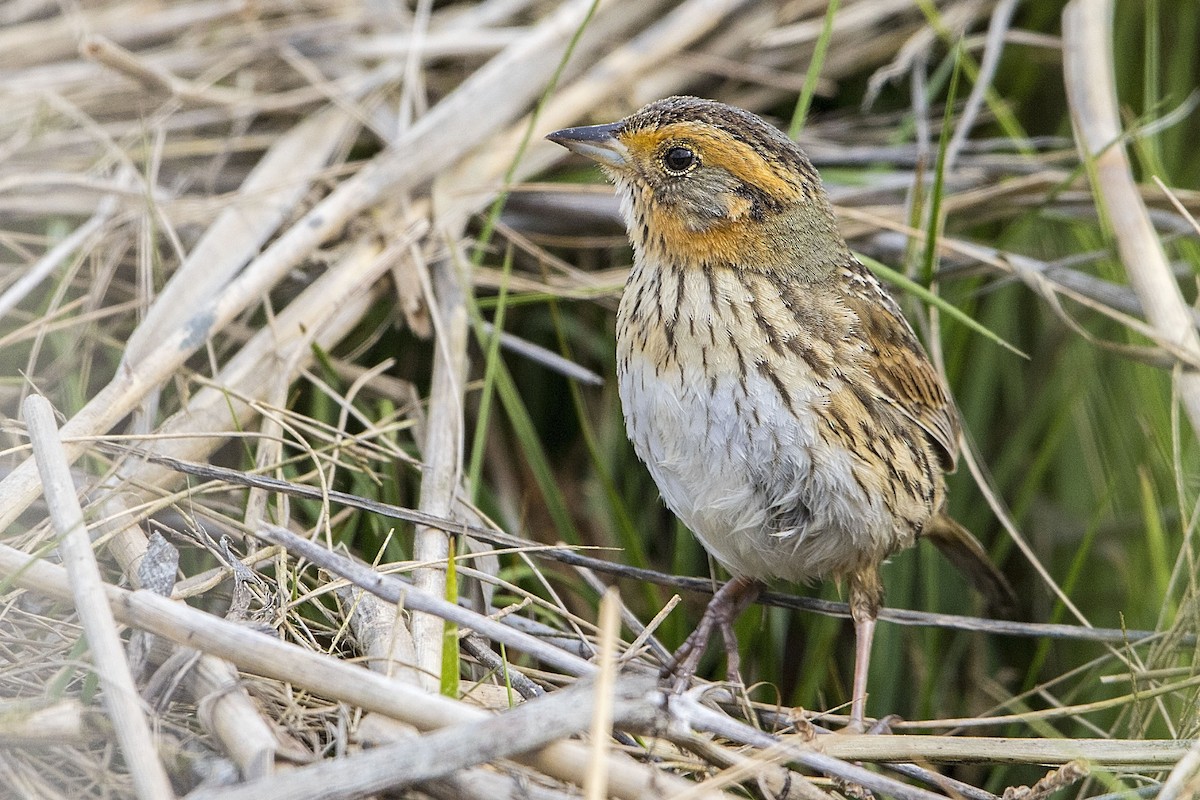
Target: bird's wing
x=902, y=371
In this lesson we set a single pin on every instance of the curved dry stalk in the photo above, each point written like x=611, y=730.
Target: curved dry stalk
x=1091, y=92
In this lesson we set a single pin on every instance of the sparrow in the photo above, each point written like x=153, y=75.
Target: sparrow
x=774, y=390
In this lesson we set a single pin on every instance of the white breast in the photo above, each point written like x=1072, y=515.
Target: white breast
x=756, y=483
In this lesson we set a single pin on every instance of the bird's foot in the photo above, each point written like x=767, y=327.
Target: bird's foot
x=729, y=602
x=878, y=727
x=687, y=658
x=883, y=725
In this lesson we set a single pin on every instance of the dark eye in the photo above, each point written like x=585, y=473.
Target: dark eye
x=678, y=160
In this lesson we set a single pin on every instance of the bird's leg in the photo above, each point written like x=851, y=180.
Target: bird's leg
x=866, y=594
x=725, y=606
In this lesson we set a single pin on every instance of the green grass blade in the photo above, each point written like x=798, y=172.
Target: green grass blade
x=535, y=455
x=814, y=71
x=450, y=650
x=929, y=257
x=492, y=361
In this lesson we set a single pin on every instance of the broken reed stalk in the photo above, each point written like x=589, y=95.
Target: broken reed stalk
x=121, y=696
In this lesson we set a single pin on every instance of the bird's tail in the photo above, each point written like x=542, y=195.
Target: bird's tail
x=963, y=550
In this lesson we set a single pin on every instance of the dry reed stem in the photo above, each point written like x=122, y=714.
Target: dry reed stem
x=441, y=476
x=1106, y=753
x=121, y=697
x=1091, y=92
x=235, y=719
x=595, y=787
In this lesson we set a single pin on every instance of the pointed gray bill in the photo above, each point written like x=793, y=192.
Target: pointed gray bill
x=597, y=142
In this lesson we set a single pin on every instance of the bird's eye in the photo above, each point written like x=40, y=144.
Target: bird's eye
x=678, y=160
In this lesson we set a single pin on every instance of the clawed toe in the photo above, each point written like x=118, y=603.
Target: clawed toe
x=725, y=606
x=687, y=658
x=883, y=725
x=879, y=727
x=733, y=659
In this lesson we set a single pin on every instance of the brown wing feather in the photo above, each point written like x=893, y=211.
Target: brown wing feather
x=900, y=367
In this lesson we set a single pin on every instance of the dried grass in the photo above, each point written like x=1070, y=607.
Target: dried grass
x=201, y=205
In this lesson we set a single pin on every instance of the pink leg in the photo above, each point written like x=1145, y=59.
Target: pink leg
x=864, y=631
x=729, y=602
x=866, y=594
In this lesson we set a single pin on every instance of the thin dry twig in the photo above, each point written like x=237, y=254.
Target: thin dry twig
x=596, y=785
x=1110, y=753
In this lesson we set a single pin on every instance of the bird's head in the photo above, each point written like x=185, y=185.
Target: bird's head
x=702, y=183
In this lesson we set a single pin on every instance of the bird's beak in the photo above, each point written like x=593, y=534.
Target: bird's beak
x=597, y=142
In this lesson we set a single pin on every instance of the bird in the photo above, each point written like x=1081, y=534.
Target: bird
x=771, y=385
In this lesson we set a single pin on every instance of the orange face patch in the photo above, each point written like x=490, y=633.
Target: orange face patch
x=712, y=146
x=724, y=242
x=734, y=238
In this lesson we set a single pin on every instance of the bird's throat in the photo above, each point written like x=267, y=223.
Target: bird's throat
x=782, y=245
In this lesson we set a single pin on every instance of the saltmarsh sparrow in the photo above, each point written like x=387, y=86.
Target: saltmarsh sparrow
x=772, y=387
